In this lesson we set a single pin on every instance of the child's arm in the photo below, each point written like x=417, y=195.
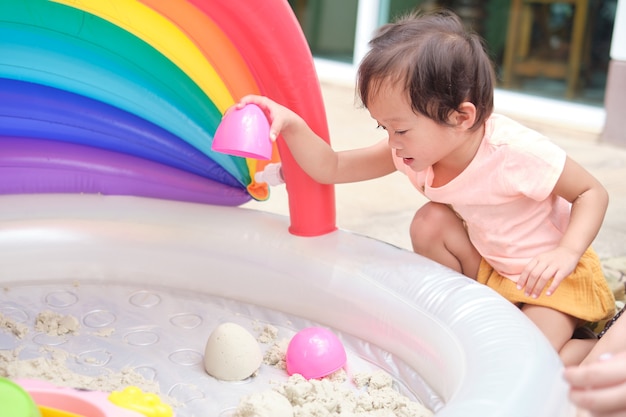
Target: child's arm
x=315, y=156
x=589, y=202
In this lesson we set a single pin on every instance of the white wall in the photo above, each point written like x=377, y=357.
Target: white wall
x=618, y=43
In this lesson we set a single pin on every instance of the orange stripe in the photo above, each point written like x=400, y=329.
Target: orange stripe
x=225, y=59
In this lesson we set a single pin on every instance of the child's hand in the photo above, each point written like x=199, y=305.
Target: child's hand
x=554, y=265
x=280, y=117
x=600, y=387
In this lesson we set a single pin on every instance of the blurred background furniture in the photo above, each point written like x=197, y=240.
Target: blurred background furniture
x=548, y=38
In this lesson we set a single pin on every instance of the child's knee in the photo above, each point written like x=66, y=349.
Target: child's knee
x=430, y=222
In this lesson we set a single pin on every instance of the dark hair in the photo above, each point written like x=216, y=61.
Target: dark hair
x=440, y=63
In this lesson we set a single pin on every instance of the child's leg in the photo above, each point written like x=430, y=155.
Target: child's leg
x=558, y=328
x=439, y=234
x=613, y=341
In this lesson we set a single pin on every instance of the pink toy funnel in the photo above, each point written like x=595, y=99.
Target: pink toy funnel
x=244, y=132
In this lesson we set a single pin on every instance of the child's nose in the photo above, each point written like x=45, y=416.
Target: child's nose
x=394, y=143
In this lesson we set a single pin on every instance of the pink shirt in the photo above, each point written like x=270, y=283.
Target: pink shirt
x=505, y=195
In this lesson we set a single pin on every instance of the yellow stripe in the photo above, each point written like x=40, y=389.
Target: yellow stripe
x=163, y=35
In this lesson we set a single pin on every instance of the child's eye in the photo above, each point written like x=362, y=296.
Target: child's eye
x=400, y=132
x=381, y=127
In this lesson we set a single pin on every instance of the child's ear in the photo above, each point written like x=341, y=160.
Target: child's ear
x=465, y=116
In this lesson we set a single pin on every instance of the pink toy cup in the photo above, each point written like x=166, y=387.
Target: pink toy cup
x=244, y=132
x=315, y=352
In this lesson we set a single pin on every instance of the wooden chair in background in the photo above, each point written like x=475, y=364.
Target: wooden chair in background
x=523, y=59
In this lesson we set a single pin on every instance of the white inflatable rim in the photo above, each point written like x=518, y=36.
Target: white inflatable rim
x=475, y=351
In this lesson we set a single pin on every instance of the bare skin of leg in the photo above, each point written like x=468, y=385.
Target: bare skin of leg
x=439, y=234
x=613, y=341
x=558, y=328
x=576, y=350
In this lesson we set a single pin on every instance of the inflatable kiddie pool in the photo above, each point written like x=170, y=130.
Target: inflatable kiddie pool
x=106, y=259
x=115, y=210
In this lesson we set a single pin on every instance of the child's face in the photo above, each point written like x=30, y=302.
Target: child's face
x=417, y=139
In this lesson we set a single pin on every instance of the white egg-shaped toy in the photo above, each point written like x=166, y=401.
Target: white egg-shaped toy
x=232, y=353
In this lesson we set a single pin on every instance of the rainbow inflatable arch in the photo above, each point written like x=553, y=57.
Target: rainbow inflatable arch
x=107, y=179
x=123, y=98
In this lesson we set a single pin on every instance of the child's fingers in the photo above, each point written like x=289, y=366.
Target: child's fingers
x=609, y=401
x=602, y=373
x=536, y=277
x=276, y=114
x=264, y=103
x=553, y=274
x=522, y=281
x=550, y=273
x=535, y=281
x=540, y=284
x=250, y=98
x=556, y=281
x=261, y=101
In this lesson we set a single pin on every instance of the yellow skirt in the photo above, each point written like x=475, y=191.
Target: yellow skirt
x=584, y=294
